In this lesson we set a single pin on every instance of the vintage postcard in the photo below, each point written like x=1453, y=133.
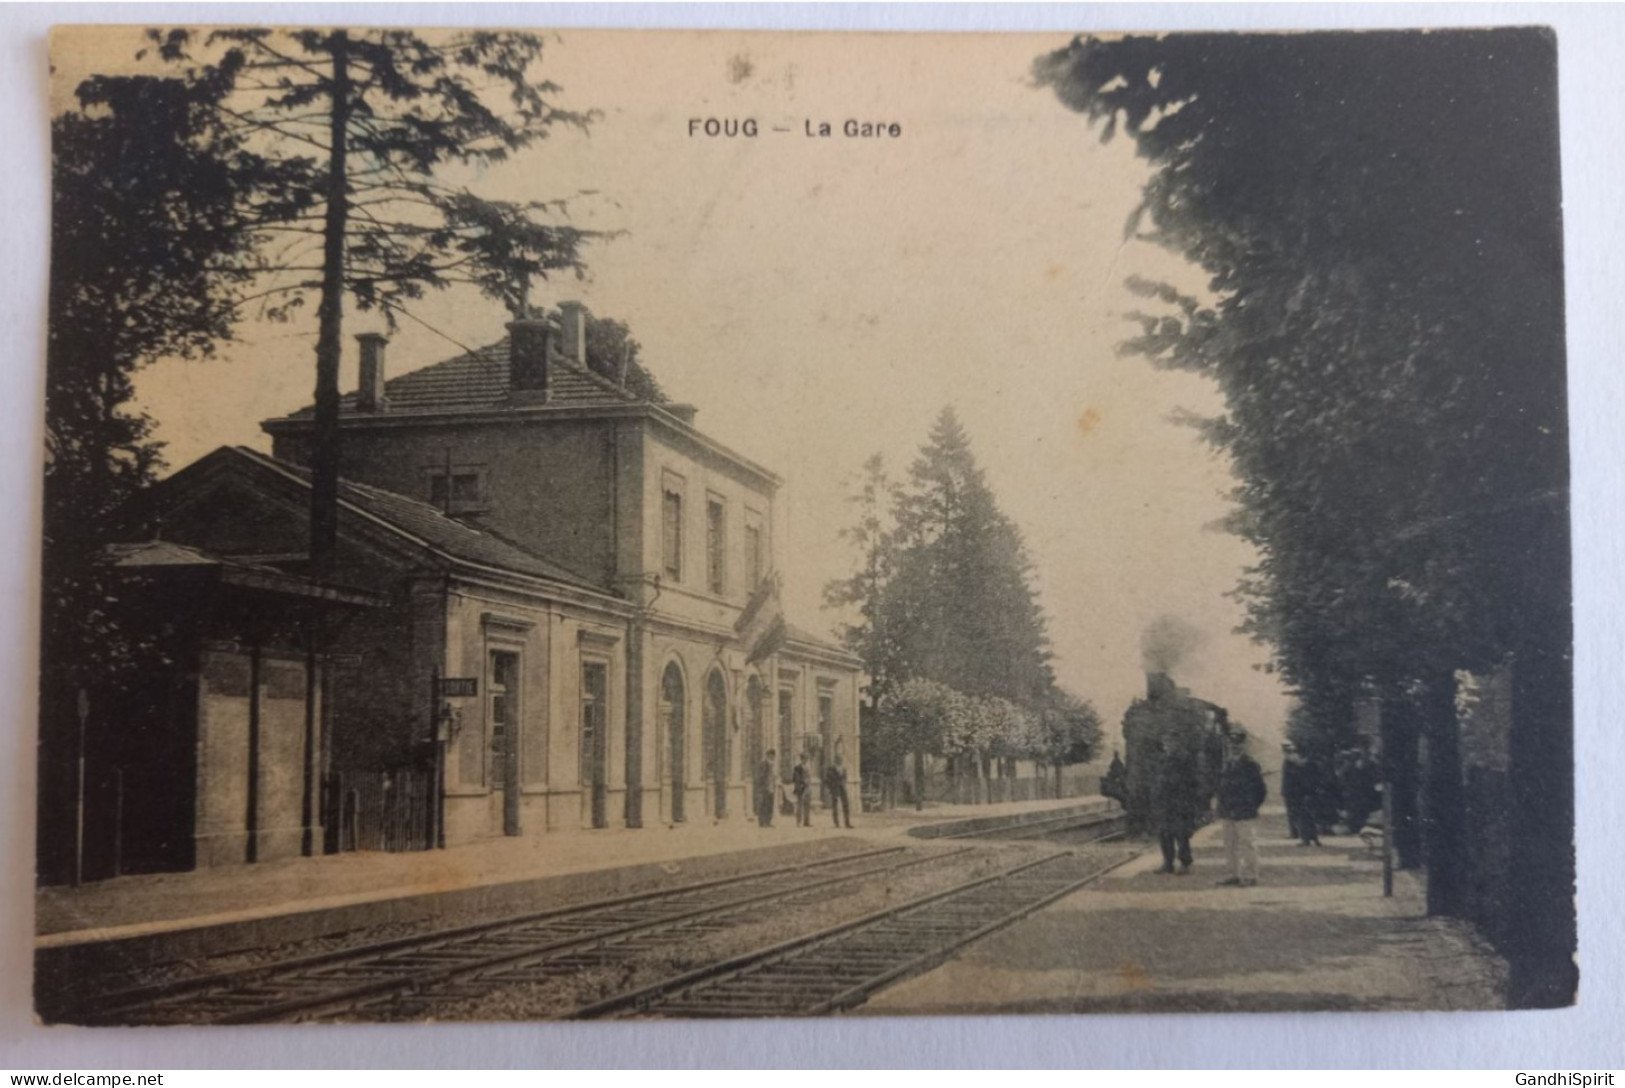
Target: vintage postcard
x=635, y=524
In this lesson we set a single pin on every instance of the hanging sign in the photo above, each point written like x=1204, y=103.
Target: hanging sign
x=459, y=687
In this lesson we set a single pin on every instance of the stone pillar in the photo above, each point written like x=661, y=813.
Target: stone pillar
x=251, y=818
x=310, y=808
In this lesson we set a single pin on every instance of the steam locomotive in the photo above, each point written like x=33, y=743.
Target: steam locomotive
x=1168, y=720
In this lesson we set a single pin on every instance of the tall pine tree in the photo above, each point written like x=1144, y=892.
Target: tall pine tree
x=947, y=623
x=961, y=606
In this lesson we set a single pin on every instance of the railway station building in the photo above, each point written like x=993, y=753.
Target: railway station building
x=554, y=605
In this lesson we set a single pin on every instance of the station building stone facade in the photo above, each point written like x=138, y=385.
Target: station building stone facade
x=600, y=569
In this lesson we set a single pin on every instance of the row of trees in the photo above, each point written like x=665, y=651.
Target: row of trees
x=947, y=622
x=1378, y=218
x=926, y=717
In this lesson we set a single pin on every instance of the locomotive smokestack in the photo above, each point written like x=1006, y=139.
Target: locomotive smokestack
x=1159, y=685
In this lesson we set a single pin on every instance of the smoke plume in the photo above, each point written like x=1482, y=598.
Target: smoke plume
x=1167, y=642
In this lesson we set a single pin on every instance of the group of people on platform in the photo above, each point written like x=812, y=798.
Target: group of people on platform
x=1180, y=802
x=766, y=797
x=1183, y=793
x=1319, y=797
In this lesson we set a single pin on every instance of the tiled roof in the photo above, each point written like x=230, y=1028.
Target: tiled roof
x=428, y=524
x=147, y=554
x=478, y=380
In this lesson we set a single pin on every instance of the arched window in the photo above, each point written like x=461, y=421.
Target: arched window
x=672, y=701
x=714, y=736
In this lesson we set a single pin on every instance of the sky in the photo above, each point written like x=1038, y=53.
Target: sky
x=822, y=299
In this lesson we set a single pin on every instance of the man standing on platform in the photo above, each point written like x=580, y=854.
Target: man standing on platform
x=835, y=784
x=1292, y=783
x=1178, y=804
x=1241, y=792
x=801, y=782
x=766, y=790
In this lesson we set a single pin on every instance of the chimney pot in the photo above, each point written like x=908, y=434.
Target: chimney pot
x=529, y=342
x=573, y=343
x=370, y=396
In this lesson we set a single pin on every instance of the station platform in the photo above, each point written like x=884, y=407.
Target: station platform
x=1315, y=933
x=165, y=916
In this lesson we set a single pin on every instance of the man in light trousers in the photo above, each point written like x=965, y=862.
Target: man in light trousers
x=1241, y=792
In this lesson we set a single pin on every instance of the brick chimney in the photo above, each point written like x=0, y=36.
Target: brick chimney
x=370, y=396
x=573, y=341
x=530, y=340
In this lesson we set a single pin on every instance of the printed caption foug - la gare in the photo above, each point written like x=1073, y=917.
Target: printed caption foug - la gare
x=748, y=128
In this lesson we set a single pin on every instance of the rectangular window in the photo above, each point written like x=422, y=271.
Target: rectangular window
x=594, y=736
x=715, y=546
x=672, y=535
x=753, y=556
x=461, y=491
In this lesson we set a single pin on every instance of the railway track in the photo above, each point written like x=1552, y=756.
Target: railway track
x=1109, y=824
x=446, y=963
x=413, y=977
x=839, y=967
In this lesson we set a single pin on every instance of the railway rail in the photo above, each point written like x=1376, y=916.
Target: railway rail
x=373, y=974
x=839, y=967
x=828, y=970
x=1110, y=825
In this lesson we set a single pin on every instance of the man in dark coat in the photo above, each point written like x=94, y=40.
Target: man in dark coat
x=801, y=779
x=835, y=786
x=1318, y=804
x=1292, y=789
x=1177, y=805
x=1241, y=792
x=1304, y=790
x=766, y=790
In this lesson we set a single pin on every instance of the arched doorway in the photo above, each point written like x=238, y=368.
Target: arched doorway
x=714, y=735
x=671, y=718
